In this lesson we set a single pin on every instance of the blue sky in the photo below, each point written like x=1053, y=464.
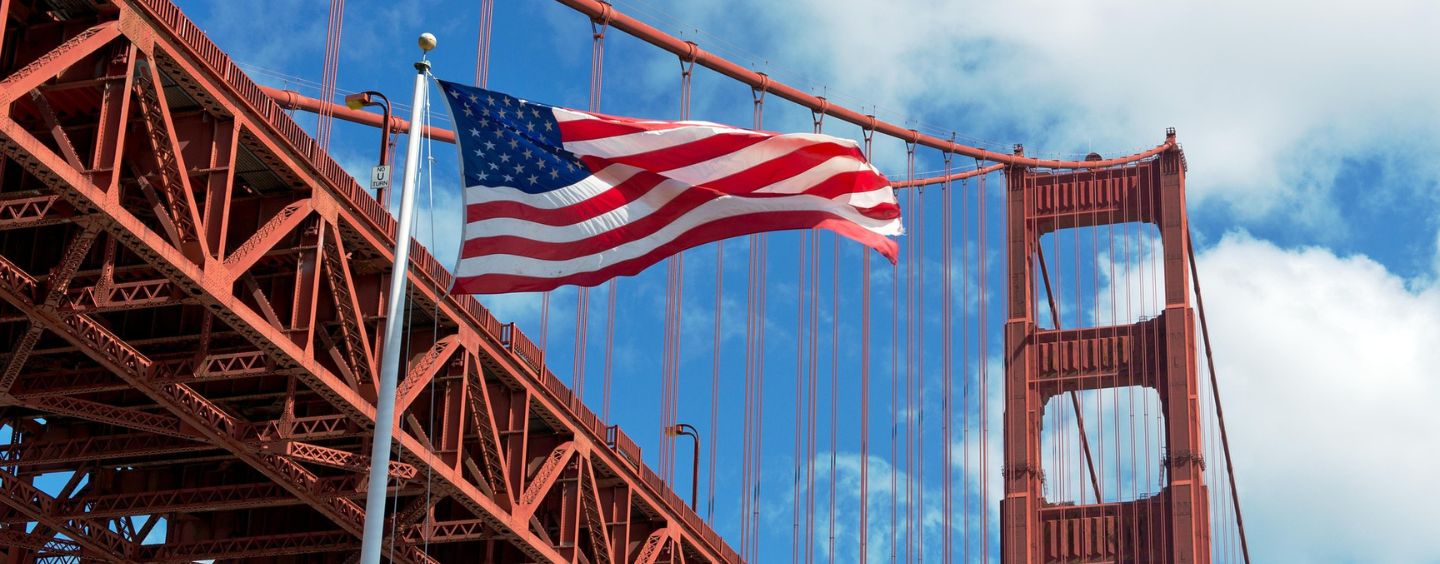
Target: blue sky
x=1313, y=193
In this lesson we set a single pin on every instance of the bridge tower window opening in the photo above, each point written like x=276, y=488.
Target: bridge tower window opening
x=1128, y=418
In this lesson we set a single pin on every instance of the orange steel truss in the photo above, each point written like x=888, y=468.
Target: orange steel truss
x=1173, y=524
x=190, y=291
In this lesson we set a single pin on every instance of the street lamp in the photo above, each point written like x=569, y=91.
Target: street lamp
x=367, y=98
x=689, y=431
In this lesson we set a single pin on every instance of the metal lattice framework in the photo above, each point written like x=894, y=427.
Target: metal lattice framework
x=191, y=296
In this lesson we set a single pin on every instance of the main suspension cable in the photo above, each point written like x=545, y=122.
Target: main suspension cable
x=1215, y=394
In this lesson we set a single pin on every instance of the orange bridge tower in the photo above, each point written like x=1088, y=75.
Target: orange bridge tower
x=1044, y=363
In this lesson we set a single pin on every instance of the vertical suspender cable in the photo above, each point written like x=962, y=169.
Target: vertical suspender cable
x=582, y=294
x=1110, y=195
x=1079, y=322
x=759, y=399
x=983, y=360
x=814, y=333
x=864, y=529
x=754, y=384
x=1141, y=250
x=834, y=379
x=482, y=43
x=745, y=397
x=675, y=269
x=609, y=348
x=1098, y=479
x=1152, y=369
x=894, y=407
x=965, y=368
x=910, y=359
x=334, y=26
x=609, y=286
x=582, y=329
x=1129, y=219
x=818, y=120
x=799, y=397
x=715, y=381
x=1062, y=436
x=918, y=318
x=758, y=96
x=947, y=238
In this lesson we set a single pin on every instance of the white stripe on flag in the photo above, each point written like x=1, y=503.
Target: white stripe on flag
x=711, y=211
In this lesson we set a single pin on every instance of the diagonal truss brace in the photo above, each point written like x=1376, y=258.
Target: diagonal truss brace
x=98, y=541
x=345, y=460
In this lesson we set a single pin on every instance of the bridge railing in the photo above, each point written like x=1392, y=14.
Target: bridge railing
x=622, y=444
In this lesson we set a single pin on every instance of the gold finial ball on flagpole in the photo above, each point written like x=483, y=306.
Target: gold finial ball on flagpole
x=427, y=42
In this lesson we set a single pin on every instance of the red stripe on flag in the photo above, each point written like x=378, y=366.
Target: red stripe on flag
x=591, y=129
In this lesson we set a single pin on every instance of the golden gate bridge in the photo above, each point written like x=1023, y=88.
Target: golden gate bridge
x=192, y=293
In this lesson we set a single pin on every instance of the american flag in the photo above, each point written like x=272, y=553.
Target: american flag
x=555, y=196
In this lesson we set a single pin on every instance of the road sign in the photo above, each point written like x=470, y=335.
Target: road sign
x=379, y=179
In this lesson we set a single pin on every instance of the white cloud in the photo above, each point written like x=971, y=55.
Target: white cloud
x=1269, y=100
x=1327, y=369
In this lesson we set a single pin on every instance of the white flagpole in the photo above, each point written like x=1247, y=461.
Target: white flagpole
x=394, y=320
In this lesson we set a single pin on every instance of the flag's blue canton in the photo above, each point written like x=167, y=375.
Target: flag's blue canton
x=506, y=141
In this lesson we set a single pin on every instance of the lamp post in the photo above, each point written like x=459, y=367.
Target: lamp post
x=367, y=98
x=689, y=431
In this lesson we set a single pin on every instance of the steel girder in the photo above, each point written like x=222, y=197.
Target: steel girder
x=148, y=153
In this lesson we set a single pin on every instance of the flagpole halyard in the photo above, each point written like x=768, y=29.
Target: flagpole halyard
x=394, y=319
